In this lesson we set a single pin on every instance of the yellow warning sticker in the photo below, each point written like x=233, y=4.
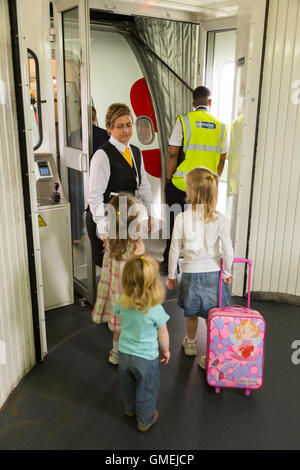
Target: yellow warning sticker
x=42, y=223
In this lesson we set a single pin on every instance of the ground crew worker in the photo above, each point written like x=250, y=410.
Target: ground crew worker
x=198, y=139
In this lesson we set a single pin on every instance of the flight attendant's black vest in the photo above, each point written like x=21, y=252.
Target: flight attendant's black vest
x=122, y=175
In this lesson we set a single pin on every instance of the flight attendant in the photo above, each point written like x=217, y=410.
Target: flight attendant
x=116, y=166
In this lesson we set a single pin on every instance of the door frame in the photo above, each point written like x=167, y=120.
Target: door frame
x=251, y=24
x=79, y=159
x=205, y=27
x=21, y=76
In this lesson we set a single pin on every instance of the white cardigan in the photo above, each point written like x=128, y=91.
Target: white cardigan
x=202, y=244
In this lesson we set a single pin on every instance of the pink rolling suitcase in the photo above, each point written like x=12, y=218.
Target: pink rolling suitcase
x=235, y=344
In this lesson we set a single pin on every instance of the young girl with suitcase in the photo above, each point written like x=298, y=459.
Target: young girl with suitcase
x=203, y=235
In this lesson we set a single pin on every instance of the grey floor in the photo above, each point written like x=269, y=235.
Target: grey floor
x=72, y=400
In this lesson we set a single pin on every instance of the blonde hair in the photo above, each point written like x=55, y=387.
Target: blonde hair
x=141, y=284
x=238, y=329
x=117, y=244
x=115, y=111
x=204, y=186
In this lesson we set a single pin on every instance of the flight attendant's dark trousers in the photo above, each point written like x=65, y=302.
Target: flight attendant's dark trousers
x=173, y=196
x=96, y=243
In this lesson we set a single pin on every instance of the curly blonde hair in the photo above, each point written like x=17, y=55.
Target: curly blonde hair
x=141, y=284
x=204, y=187
x=119, y=221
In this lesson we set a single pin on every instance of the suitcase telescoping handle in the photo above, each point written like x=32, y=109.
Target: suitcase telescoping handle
x=236, y=260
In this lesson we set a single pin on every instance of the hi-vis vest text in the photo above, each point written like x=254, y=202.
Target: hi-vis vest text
x=203, y=139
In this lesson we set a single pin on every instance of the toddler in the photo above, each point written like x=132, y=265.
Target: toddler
x=143, y=332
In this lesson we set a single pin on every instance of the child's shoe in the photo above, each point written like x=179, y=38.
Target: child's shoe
x=143, y=428
x=113, y=357
x=202, y=362
x=190, y=347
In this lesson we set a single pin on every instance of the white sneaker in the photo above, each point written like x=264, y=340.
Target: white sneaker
x=113, y=357
x=202, y=362
x=190, y=348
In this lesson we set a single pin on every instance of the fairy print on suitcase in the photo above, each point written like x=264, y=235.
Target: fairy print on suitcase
x=235, y=345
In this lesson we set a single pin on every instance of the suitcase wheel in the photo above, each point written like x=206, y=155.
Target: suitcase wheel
x=218, y=389
x=247, y=392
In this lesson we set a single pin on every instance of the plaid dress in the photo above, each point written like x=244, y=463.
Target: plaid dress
x=109, y=288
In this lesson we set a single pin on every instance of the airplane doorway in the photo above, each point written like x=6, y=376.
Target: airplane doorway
x=97, y=65
x=96, y=73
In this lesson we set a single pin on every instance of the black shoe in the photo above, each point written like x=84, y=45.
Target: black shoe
x=163, y=268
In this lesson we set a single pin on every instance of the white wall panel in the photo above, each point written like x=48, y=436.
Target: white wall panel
x=16, y=331
x=35, y=30
x=275, y=223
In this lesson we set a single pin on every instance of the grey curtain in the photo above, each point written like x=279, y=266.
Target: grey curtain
x=176, y=44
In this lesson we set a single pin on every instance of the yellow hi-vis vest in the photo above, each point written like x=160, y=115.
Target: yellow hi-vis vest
x=203, y=139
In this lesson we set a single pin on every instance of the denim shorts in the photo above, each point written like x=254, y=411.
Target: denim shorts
x=199, y=292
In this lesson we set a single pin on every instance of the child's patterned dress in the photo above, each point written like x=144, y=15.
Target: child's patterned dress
x=109, y=288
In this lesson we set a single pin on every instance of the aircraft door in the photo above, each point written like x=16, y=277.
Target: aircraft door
x=71, y=19
x=116, y=75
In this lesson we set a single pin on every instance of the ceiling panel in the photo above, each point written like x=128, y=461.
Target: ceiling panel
x=184, y=10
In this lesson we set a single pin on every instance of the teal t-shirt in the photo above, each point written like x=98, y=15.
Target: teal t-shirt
x=139, y=331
